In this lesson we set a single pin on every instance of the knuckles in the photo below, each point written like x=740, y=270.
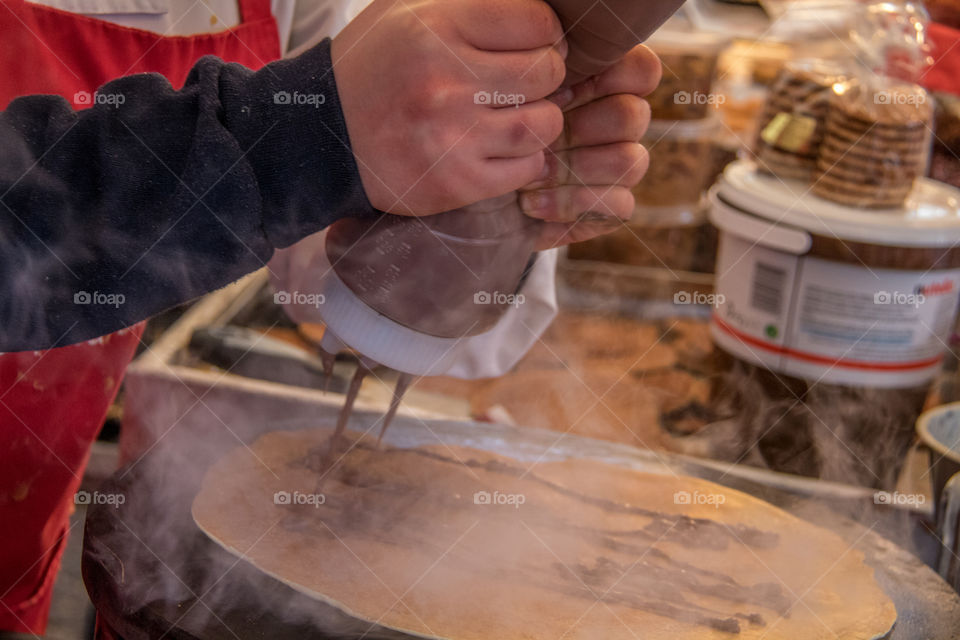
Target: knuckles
x=429, y=17
x=535, y=126
x=438, y=96
x=536, y=75
x=542, y=24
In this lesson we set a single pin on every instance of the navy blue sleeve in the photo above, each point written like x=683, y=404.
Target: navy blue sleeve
x=153, y=197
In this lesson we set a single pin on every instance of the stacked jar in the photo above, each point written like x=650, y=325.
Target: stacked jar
x=669, y=228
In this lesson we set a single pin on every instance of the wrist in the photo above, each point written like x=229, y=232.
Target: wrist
x=291, y=126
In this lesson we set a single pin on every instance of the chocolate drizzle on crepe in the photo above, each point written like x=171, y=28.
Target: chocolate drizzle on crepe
x=694, y=532
x=655, y=583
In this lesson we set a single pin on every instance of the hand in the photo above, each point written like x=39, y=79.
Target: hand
x=418, y=80
x=598, y=158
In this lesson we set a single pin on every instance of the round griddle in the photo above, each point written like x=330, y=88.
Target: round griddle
x=126, y=557
x=152, y=573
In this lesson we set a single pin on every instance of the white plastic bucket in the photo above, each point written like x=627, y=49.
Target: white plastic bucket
x=822, y=292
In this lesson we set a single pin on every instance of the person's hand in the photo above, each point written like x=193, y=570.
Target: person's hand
x=429, y=88
x=598, y=158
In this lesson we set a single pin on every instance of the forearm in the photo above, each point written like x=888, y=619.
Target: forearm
x=155, y=196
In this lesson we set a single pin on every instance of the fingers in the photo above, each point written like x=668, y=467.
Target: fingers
x=622, y=164
x=638, y=73
x=567, y=203
x=476, y=184
x=430, y=91
x=505, y=175
x=617, y=118
x=558, y=234
x=533, y=75
x=605, y=118
x=519, y=132
x=509, y=25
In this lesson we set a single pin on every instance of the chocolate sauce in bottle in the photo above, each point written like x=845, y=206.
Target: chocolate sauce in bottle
x=600, y=33
x=449, y=275
x=439, y=275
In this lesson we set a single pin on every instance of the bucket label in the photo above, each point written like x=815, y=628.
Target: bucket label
x=840, y=323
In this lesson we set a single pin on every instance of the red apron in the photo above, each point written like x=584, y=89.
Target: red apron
x=53, y=403
x=944, y=74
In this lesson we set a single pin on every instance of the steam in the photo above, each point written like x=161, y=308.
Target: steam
x=857, y=436
x=166, y=559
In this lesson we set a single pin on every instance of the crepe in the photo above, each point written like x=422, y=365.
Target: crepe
x=461, y=544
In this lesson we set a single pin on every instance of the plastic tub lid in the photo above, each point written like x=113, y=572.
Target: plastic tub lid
x=678, y=215
x=929, y=218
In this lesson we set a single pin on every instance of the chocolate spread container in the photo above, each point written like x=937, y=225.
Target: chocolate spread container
x=833, y=294
x=830, y=321
x=452, y=274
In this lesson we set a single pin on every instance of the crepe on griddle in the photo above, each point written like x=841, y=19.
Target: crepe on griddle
x=462, y=544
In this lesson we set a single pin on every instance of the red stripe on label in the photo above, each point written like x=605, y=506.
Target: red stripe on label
x=812, y=357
